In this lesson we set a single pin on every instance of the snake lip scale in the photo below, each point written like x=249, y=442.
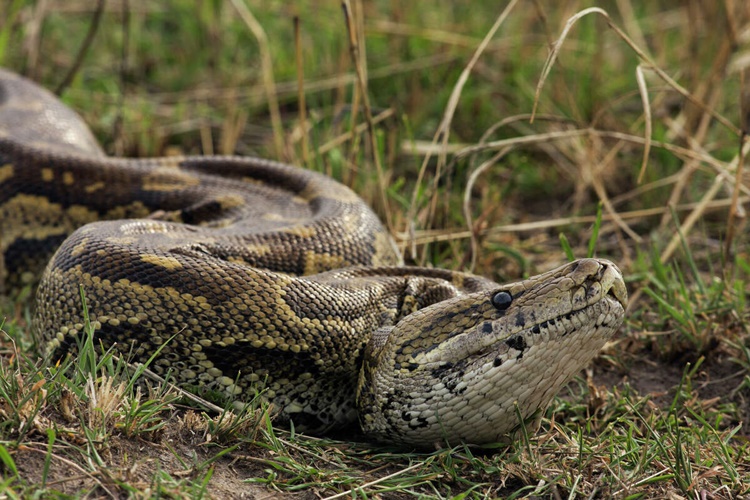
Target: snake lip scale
x=256, y=277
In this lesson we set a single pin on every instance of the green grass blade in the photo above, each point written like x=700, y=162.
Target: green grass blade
x=595, y=231
x=567, y=250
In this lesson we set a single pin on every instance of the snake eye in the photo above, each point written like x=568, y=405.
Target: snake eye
x=501, y=300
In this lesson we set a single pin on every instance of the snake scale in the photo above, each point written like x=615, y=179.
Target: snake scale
x=257, y=277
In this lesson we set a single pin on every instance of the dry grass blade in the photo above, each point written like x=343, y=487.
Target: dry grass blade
x=724, y=171
x=736, y=210
x=467, y=202
x=93, y=27
x=359, y=65
x=432, y=236
x=601, y=192
x=443, y=132
x=268, y=79
x=106, y=396
x=436, y=35
x=93, y=476
x=518, y=141
x=699, y=210
x=360, y=489
x=647, y=117
x=641, y=54
x=627, y=12
x=359, y=129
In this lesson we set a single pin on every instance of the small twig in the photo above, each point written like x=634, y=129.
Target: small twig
x=301, y=92
x=360, y=489
x=359, y=129
x=93, y=27
x=118, y=131
x=734, y=207
x=691, y=219
x=33, y=38
x=362, y=84
x=73, y=465
x=432, y=236
x=150, y=374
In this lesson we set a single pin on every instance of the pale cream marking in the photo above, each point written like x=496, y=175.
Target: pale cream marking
x=81, y=213
x=342, y=194
x=301, y=231
x=259, y=249
x=134, y=210
x=35, y=217
x=79, y=248
x=169, y=179
x=94, y=187
x=252, y=180
x=273, y=216
x=161, y=261
x=121, y=240
x=317, y=263
x=6, y=172
x=227, y=202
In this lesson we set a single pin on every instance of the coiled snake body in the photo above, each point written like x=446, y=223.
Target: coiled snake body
x=257, y=276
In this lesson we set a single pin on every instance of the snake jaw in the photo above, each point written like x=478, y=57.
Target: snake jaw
x=466, y=386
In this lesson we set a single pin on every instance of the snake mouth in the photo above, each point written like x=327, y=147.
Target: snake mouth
x=613, y=300
x=611, y=294
x=614, y=285
x=599, y=302
x=591, y=297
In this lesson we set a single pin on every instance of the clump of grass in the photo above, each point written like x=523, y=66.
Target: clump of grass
x=97, y=399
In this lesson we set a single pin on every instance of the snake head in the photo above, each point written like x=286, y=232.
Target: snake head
x=465, y=369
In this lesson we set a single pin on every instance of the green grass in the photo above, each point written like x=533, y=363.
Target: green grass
x=659, y=414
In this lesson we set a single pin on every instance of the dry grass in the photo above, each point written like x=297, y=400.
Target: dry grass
x=487, y=133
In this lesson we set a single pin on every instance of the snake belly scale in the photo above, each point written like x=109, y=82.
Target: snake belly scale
x=257, y=277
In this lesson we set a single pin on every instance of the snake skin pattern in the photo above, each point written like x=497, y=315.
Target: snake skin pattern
x=258, y=277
